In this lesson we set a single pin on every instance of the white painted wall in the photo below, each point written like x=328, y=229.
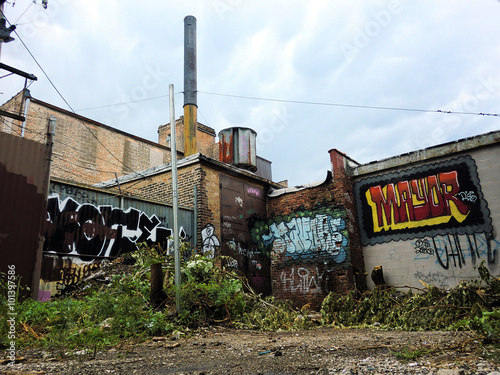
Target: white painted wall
x=404, y=263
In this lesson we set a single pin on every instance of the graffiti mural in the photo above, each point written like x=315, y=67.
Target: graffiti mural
x=313, y=236
x=210, y=242
x=458, y=251
x=438, y=279
x=301, y=280
x=90, y=231
x=430, y=200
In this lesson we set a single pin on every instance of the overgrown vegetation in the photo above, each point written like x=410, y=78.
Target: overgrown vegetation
x=427, y=309
x=472, y=305
x=118, y=307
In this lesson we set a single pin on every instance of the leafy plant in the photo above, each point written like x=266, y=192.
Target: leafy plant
x=408, y=354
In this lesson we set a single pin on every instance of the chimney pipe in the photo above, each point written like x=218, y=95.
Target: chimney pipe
x=190, y=89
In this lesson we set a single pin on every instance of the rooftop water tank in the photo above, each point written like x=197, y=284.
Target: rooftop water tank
x=237, y=147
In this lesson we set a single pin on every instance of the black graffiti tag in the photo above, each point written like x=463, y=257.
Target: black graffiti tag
x=90, y=231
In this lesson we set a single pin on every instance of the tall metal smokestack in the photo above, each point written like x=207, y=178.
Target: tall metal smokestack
x=190, y=89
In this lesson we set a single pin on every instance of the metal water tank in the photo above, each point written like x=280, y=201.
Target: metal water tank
x=237, y=147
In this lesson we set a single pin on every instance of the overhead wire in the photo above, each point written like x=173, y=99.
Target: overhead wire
x=23, y=13
x=122, y=103
x=66, y=102
x=351, y=105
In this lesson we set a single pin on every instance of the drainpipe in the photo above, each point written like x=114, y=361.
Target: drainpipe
x=26, y=105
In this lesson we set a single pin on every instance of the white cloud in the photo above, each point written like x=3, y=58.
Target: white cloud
x=427, y=54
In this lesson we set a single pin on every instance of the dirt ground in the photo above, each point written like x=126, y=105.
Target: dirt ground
x=216, y=350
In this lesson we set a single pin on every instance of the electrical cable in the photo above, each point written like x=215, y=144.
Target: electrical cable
x=352, y=105
x=122, y=103
x=66, y=102
x=22, y=14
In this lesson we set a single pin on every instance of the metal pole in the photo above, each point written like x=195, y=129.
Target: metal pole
x=190, y=86
x=175, y=201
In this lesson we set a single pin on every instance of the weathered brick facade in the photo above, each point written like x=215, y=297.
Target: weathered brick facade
x=205, y=138
x=320, y=250
x=84, y=151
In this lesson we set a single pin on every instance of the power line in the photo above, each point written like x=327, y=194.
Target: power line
x=66, y=102
x=122, y=103
x=352, y=105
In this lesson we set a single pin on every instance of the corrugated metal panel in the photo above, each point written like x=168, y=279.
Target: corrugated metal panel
x=264, y=169
x=23, y=189
x=84, y=222
x=86, y=227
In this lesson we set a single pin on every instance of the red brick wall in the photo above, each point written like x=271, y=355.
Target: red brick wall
x=309, y=278
x=344, y=192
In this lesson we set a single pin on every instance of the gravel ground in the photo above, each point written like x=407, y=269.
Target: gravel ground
x=218, y=350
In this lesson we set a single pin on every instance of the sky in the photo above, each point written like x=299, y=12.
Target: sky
x=300, y=73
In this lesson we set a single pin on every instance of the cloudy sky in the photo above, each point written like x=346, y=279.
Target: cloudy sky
x=300, y=73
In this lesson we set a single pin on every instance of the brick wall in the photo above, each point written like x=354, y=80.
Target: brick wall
x=205, y=178
x=85, y=151
x=320, y=251
x=205, y=138
x=344, y=193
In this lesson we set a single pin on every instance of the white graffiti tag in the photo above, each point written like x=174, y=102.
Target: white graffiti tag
x=210, y=240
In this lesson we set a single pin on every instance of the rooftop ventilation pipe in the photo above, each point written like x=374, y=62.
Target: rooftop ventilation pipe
x=190, y=89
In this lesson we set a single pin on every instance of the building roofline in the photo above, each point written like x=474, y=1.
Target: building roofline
x=181, y=163
x=429, y=153
x=282, y=191
x=96, y=123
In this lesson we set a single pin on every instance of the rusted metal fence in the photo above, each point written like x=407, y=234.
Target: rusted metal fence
x=24, y=168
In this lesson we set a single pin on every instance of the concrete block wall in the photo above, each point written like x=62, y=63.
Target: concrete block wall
x=446, y=250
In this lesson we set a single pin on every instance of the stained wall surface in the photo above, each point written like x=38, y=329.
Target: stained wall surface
x=23, y=190
x=85, y=151
x=435, y=219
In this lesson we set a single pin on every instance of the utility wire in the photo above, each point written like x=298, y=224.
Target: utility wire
x=121, y=103
x=351, y=105
x=69, y=106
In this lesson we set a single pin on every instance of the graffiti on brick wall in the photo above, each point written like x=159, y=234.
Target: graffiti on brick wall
x=304, y=236
x=89, y=231
x=210, y=242
x=458, y=251
x=430, y=200
x=240, y=248
x=301, y=280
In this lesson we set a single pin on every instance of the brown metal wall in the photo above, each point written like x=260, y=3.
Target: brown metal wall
x=240, y=204
x=23, y=191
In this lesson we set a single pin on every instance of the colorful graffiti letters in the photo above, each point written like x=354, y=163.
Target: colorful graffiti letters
x=419, y=202
x=300, y=237
x=429, y=200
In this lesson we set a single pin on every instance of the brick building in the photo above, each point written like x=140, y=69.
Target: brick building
x=429, y=215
